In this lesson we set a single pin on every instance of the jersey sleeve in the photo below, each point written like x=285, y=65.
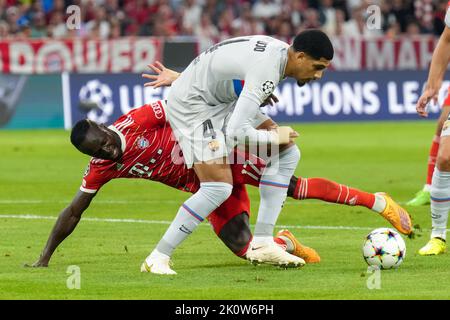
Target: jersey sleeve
x=94, y=178
x=261, y=80
x=150, y=116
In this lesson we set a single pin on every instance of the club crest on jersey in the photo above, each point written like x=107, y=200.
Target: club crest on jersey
x=142, y=143
x=214, y=145
x=268, y=87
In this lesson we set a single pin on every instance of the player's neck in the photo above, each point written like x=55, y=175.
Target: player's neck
x=288, y=70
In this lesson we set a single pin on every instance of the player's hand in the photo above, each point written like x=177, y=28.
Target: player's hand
x=428, y=95
x=286, y=134
x=164, y=77
x=271, y=100
x=37, y=264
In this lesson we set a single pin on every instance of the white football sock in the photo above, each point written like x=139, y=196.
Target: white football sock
x=273, y=188
x=193, y=211
x=440, y=203
x=380, y=203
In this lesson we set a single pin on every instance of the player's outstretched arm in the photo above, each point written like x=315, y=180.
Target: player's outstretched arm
x=164, y=76
x=439, y=63
x=66, y=223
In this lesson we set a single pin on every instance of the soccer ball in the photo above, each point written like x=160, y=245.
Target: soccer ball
x=384, y=248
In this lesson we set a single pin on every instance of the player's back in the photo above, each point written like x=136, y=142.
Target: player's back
x=214, y=76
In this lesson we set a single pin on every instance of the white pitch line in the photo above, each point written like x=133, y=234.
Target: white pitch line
x=37, y=217
x=37, y=201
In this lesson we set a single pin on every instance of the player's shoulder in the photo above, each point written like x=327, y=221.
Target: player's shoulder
x=271, y=41
x=149, y=114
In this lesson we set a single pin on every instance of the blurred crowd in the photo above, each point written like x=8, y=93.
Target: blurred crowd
x=214, y=20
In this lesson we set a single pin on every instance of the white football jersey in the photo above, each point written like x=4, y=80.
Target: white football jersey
x=246, y=66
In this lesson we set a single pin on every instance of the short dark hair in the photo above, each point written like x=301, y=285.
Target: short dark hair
x=314, y=43
x=79, y=132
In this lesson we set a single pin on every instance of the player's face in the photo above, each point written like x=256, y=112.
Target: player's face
x=102, y=143
x=309, y=69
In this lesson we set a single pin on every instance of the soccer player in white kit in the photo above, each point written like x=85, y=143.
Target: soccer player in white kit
x=213, y=105
x=440, y=185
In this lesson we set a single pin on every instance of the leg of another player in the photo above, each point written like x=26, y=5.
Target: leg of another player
x=423, y=196
x=216, y=185
x=326, y=190
x=440, y=199
x=236, y=235
x=273, y=187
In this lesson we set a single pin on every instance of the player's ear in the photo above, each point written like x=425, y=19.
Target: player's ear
x=300, y=55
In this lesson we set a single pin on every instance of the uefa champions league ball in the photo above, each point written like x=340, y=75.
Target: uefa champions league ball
x=384, y=248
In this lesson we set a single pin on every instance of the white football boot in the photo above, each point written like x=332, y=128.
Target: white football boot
x=157, y=263
x=271, y=253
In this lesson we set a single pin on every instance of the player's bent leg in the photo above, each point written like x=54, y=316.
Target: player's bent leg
x=330, y=191
x=440, y=198
x=214, y=190
x=273, y=188
x=236, y=234
x=422, y=197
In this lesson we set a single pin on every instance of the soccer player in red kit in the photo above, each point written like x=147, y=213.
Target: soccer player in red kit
x=140, y=145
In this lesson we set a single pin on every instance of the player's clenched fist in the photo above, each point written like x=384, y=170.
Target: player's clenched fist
x=285, y=134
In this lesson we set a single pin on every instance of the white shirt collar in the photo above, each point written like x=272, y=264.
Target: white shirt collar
x=121, y=136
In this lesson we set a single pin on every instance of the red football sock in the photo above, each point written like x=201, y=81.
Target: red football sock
x=330, y=191
x=432, y=158
x=280, y=242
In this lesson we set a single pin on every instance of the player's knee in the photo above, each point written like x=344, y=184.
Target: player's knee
x=443, y=161
x=216, y=192
x=290, y=157
x=236, y=233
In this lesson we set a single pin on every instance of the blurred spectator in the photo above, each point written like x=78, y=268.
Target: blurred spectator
x=311, y=19
x=191, y=16
x=39, y=26
x=423, y=11
x=4, y=30
x=214, y=20
x=412, y=28
x=328, y=16
x=266, y=9
x=57, y=25
x=439, y=17
x=99, y=25
x=208, y=33
x=357, y=26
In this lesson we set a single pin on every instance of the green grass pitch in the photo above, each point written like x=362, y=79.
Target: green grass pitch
x=41, y=172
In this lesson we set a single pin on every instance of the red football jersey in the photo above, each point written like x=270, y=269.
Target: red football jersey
x=149, y=151
x=447, y=100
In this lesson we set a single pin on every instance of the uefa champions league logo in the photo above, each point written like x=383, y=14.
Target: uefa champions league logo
x=96, y=98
